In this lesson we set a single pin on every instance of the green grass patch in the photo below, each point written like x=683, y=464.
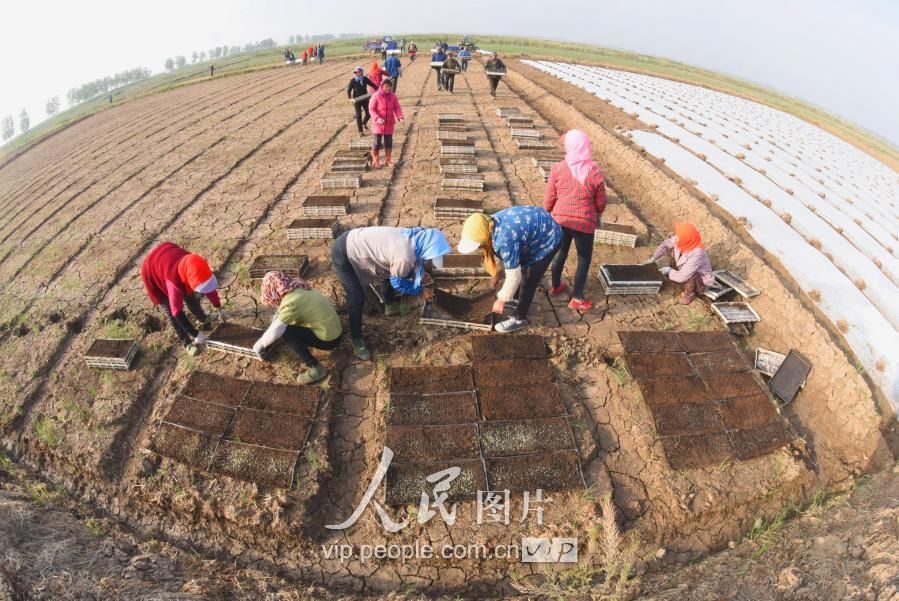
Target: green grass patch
x=46, y=432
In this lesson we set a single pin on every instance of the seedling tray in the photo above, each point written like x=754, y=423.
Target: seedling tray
x=699, y=450
x=443, y=134
x=463, y=169
x=550, y=472
x=292, y=265
x=456, y=208
x=360, y=144
x=522, y=437
x=506, y=111
x=450, y=118
x=546, y=160
x=326, y=206
x=431, y=379
x=474, y=181
x=337, y=181
x=716, y=290
x=453, y=311
x=431, y=316
x=768, y=362
x=405, y=482
x=252, y=463
x=530, y=144
x=235, y=339
x=521, y=402
x=528, y=134
x=737, y=283
x=460, y=160
x=630, y=279
x=790, y=376
x=736, y=312
x=111, y=353
x=520, y=121
x=359, y=99
x=214, y=388
x=412, y=444
x=358, y=154
x=496, y=73
x=306, y=229
x=415, y=409
x=454, y=149
x=268, y=429
x=512, y=372
x=348, y=166
x=651, y=342
x=544, y=172
x=616, y=234
x=464, y=266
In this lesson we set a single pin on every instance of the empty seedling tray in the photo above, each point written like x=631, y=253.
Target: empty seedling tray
x=767, y=361
x=111, y=353
x=716, y=290
x=617, y=235
x=473, y=181
x=790, y=376
x=736, y=282
x=350, y=166
x=307, y=229
x=736, y=312
x=292, y=265
x=337, y=180
x=624, y=279
x=235, y=339
x=326, y=206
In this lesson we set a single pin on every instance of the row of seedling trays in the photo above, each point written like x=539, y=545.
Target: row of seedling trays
x=526, y=136
x=458, y=163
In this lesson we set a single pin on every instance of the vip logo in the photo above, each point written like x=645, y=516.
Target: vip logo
x=548, y=550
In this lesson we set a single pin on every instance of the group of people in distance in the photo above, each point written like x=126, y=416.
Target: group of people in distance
x=310, y=54
x=518, y=245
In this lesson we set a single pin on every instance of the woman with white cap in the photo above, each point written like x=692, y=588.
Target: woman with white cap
x=524, y=239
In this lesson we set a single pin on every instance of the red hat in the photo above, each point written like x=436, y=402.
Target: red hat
x=196, y=274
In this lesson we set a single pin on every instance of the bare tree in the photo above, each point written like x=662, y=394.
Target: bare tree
x=52, y=106
x=169, y=64
x=24, y=122
x=180, y=61
x=9, y=127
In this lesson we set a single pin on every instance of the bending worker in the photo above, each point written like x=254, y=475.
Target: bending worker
x=357, y=87
x=575, y=195
x=172, y=276
x=385, y=107
x=372, y=255
x=439, y=56
x=497, y=66
x=304, y=319
x=524, y=239
x=690, y=265
x=451, y=67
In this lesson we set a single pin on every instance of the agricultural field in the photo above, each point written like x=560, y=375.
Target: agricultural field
x=224, y=167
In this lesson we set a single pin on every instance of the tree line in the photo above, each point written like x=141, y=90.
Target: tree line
x=178, y=62
x=104, y=85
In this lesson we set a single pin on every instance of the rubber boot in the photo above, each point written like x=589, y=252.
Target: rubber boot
x=388, y=154
x=376, y=159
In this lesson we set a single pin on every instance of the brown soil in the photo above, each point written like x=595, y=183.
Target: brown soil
x=706, y=342
x=290, y=399
x=117, y=349
x=658, y=365
x=455, y=261
x=686, y=419
x=473, y=310
x=521, y=402
x=185, y=446
x=197, y=415
x=664, y=391
x=270, y=429
x=406, y=482
x=512, y=372
x=746, y=412
x=521, y=346
x=651, y=342
x=255, y=464
x=551, y=472
x=761, y=440
x=214, y=388
x=235, y=335
x=430, y=380
x=433, y=443
x=684, y=452
x=719, y=362
x=432, y=410
x=729, y=386
x=522, y=437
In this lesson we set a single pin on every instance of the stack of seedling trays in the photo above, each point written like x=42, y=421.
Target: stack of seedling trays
x=349, y=165
x=237, y=340
x=292, y=265
x=739, y=318
x=359, y=154
x=630, y=279
x=531, y=144
x=496, y=73
x=526, y=134
x=767, y=361
x=338, y=181
x=458, y=168
x=471, y=181
x=111, y=353
x=456, y=208
x=360, y=144
x=507, y=111
x=520, y=121
x=326, y=206
x=617, y=234
x=546, y=160
x=458, y=266
x=446, y=118
x=457, y=147
x=311, y=229
x=716, y=290
x=451, y=311
x=457, y=127
x=736, y=282
x=450, y=134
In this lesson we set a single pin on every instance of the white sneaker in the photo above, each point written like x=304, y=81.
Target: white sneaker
x=511, y=325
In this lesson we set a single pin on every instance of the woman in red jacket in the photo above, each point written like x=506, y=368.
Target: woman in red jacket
x=385, y=111
x=172, y=276
x=576, y=197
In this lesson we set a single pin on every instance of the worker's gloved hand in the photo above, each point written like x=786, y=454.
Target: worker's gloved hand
x=258, y=347
x=665, y=271
x=649, y=261
x=498, y=306
x=192, y=350
x=223, y=317
x=201, y=338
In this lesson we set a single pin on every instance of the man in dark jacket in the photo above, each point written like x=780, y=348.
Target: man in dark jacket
x=357, y=87
x=438, y=57
x=451, y=67
x=497, y=66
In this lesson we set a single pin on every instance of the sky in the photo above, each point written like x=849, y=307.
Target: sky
x=841, y=55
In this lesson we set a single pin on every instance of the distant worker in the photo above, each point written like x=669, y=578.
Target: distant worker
x=413, y=50
x=451, y=67
x=575, y=195
x=376, y=74
x=383, y=51
x=394, y=69
x=464, y=58
x=437, y=60
x=372, y=255
x=310, y=52
x=321, y=53
x=304, y=319
x=385, y=108
x=495, y=65
x=690, y=264
x=172, y=277
x=403, y=45
x=522, y=240
x=359, y=86
x=211, y=71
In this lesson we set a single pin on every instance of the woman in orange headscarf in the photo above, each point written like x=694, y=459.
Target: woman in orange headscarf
x=376, y=74
x=690, y=265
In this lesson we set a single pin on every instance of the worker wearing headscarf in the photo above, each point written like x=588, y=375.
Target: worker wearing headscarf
x=522, y=240
x=174, y=278
x=376, y=74
x=304, y=319
x=691, y=264
x=391, y=258
x=575, y=195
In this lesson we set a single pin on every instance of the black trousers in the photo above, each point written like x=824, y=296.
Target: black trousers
x=181, y=323
x=449, y=80
x=355, y=294
x=583, y=244
x=361, y=107
x=494, y=81
x=530, y=279
x=300, y=339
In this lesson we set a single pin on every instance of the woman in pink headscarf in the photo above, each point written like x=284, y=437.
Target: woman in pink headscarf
x=576, y=197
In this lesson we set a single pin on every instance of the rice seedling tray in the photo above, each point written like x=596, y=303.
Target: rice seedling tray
x=531, y=144
x=790, y=376
x=412, y=444
x=309, y=229
x=736, y=312
x=405, y=482
x=521, y=402
x=716, y=290
x=348, y=166
x=336, y=181
x=551, y=472
x=326, y=206
x=430, y=379
x=461, y=266
x=455, y=148
x=526, y=436
x=111, y=353
x=360, y=144
x=292, y=265
x=443, y=134
x=463, y=169
x=236, y=339
x=473, y=181
x=742, y=287
x=506, y=111
x=616, y=234
x=416, y=409
x=527, y=134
